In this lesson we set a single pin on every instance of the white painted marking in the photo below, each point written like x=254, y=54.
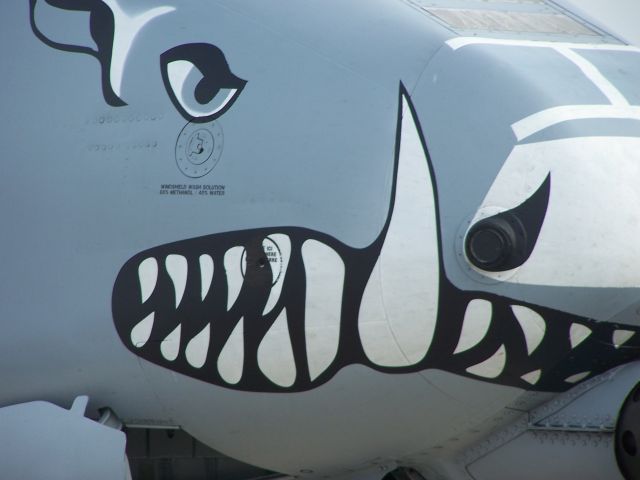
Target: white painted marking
x=142, y=331
x=492, y=367
x=198, y=348
x=170, y=346
x=461, y=42
x=553, y=116
x=275, y=353
x=206, y=275
x=409, y=269
x=232, y=266
x=148, y=276
x=279, y=271
x=577, y=377
x=591, y=202
x=595, y=76
x=126, y=29
x=532, y=377
x=477, y=320
x=578, y=333
x=323, y=304
x=176, y=266
x=231, y=359
x=533, y=326
x=620, y=337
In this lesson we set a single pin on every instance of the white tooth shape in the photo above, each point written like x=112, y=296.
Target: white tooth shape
x=533, y=326
x=275, y=353
x=148, y=276
x=532, y=377
x=325, y=280
x=233, y=267
x=409, y=263
x=279, y=265
x=142, y=331
x=578, y=334
x=477, y=320
x=620, y=337
x=170, y=346
x=176, y=266
x=206, y=274
x=231, y=359
x=577, y=377
x=492, y=367
x=198, y=348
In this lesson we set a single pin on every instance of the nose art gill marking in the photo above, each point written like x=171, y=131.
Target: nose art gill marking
x=198, y=348
x=206, y=275
x=325, y=280
x=176, y=266
x=231, y=359
x=477, y=320
x=532, y=324
x=275, y=353
x=148, y=276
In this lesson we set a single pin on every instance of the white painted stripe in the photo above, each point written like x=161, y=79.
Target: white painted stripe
x=620, y=337
x=595, y=76
x=409, y=268
x=275, y=353
x=170, y=346
x=477, y=320
x=577, y=377
x=148, y=276
x=142, y=331
x=176, y=266
x=231, y=359
x=233, y=268
x=578, y=333
x=198, y=348
x=533, y=326
x=492, y=367
x=532, y=377
x=461, y=42
x=206, y=275
x=279, y=271
x=323, y=305
x=553, y=116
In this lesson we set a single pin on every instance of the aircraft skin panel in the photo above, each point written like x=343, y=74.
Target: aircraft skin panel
x=222, y=218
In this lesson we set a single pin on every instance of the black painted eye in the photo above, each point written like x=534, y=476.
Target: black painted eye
x=506, y=240
x=199, y=82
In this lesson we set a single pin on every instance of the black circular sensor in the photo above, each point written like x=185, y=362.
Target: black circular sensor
x=491, y=244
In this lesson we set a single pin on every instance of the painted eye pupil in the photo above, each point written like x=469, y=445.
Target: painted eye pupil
x=490, y=244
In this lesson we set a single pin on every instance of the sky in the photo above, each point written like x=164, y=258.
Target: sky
x=622, y=17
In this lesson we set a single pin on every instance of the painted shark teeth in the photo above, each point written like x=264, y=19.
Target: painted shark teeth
x=275, y=353
x=282, y=244
x=325, y=281
x=533, y=326
x=176, y=266
x=170, y=346
x=206, y=275
x=198, y=348
x=409, y=270
x=578, y=377
x=578, y=333
x=231, y=358
x=477, y=320
x=532, y=377
x=142, y=331
x=233, y=267
x=148, y=276
x=491, y=367
x=620, y=337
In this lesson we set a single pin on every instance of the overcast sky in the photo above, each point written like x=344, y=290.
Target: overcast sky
x=620, y=16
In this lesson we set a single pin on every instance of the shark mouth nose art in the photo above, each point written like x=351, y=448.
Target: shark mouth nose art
x=283, y=309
